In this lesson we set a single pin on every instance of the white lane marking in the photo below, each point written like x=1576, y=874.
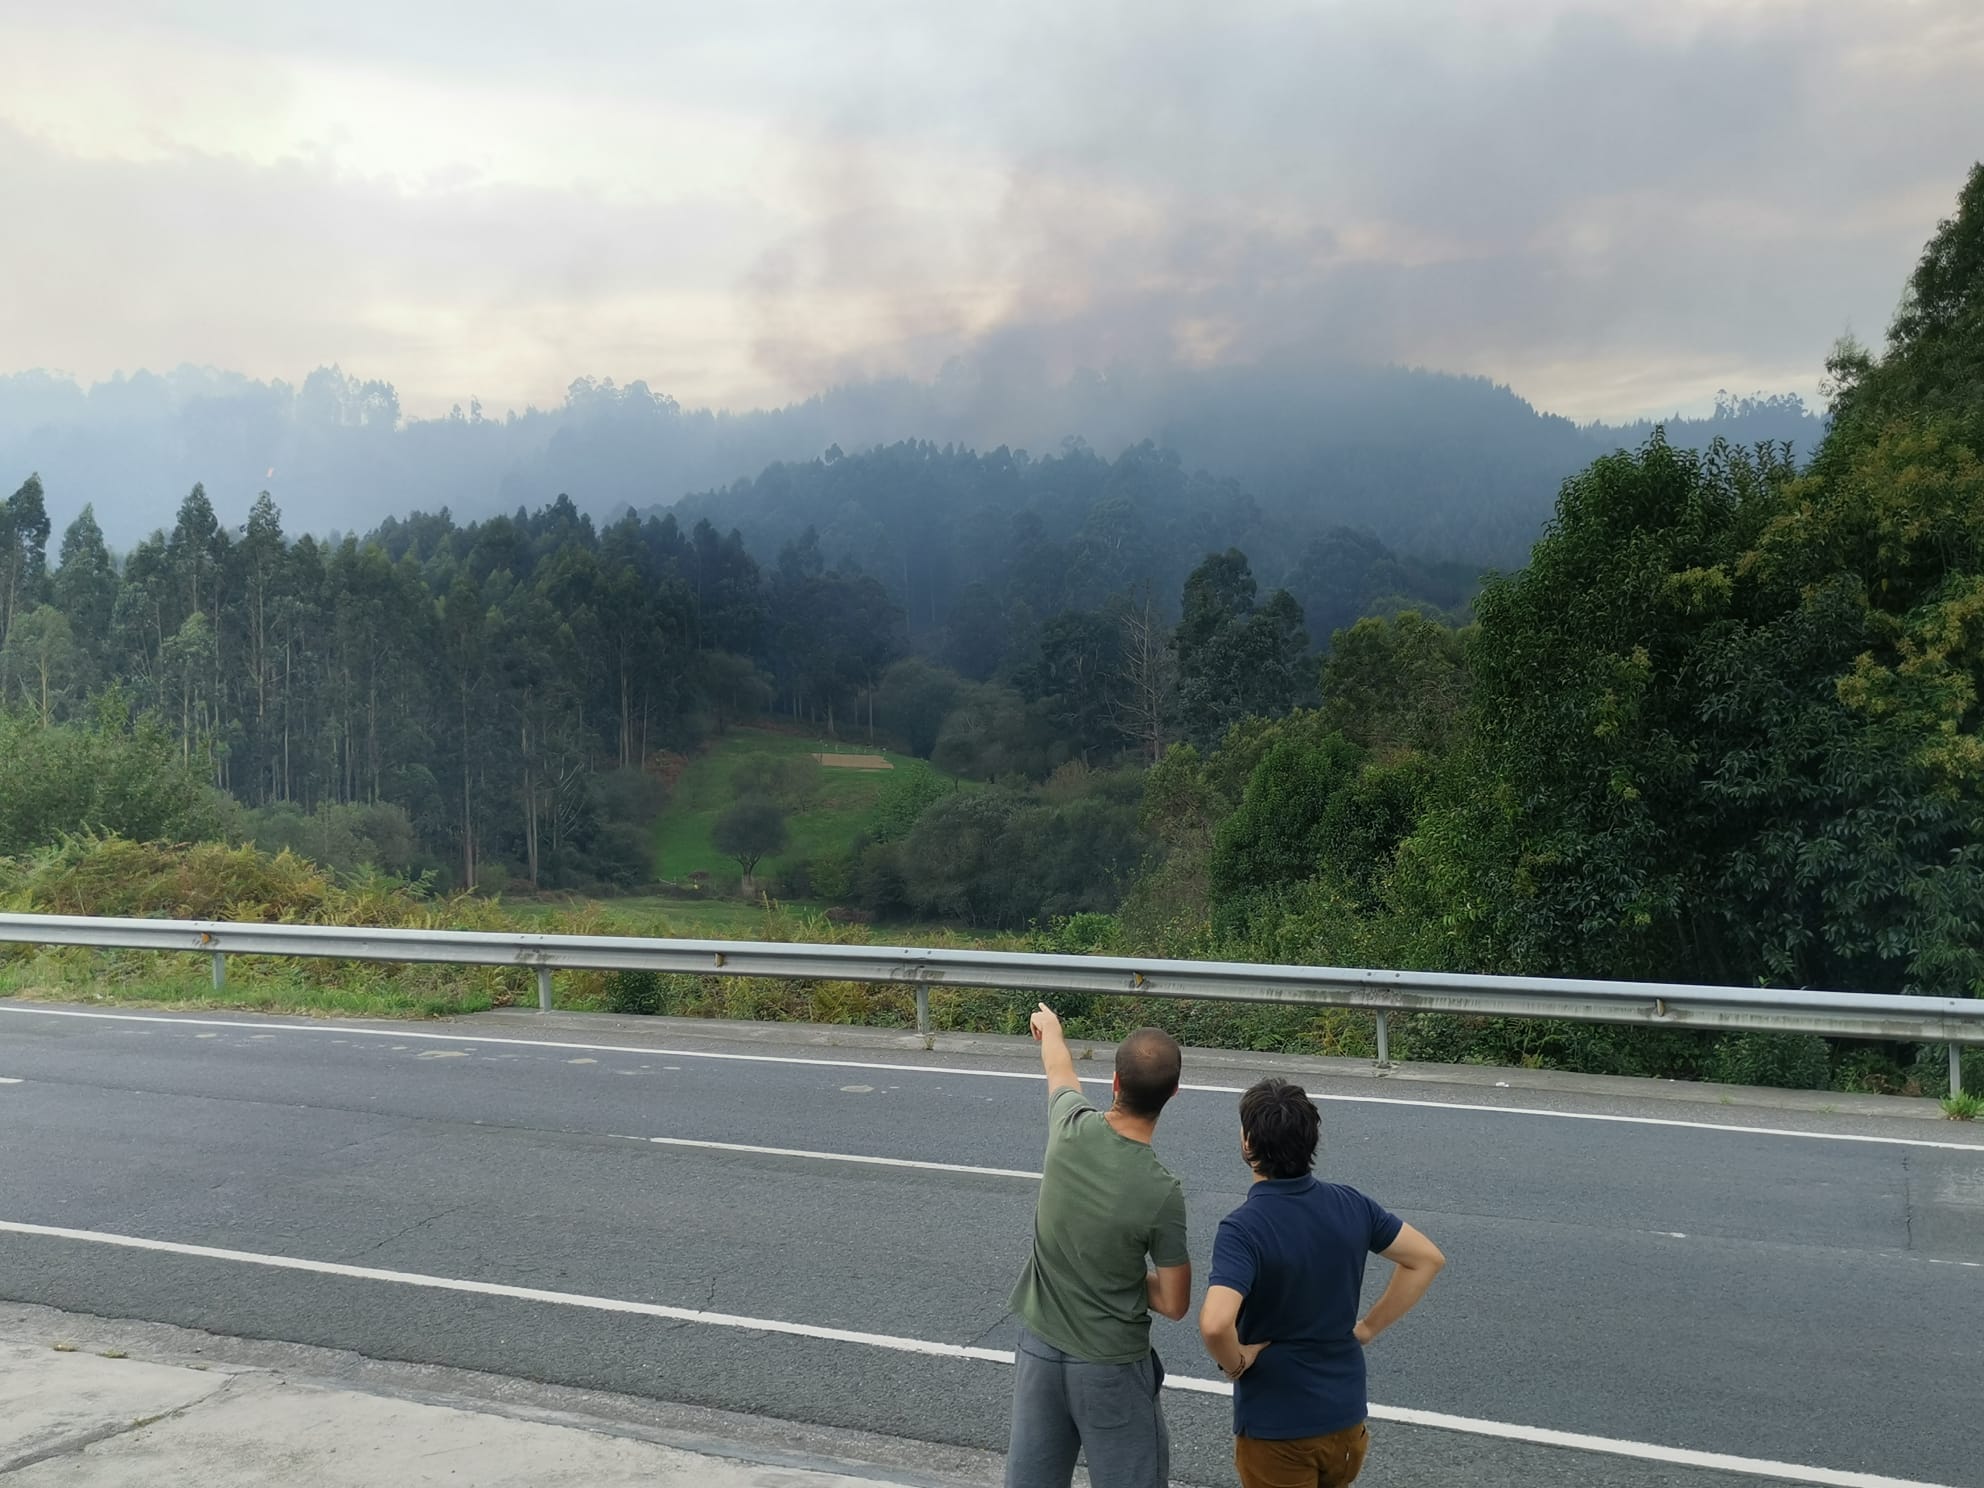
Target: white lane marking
x=521, y=1294
x=934, y=1069
x=1543, y=1436
x=1540, y=1435
x=842, y=1157
x=5, y=1081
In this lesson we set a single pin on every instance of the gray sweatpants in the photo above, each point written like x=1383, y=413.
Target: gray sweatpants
x=1109, y=1412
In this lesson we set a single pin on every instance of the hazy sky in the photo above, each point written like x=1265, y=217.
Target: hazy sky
x=1615, y=207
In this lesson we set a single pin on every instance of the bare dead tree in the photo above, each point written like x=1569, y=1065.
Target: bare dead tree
x=1142, y=707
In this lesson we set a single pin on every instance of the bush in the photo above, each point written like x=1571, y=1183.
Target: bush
x=634, y=992
x=105, y=776
x=621, y=855
x=212, y=881
x=832, y=877
x=1869, y=1069
x=1930, y=1073
x=794, y=881
x=876, y=882
x=1079, y=935
x=1787, y=1061
x=904, y=799
x=344, y=838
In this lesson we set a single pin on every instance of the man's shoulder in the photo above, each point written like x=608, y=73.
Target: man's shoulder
x=1066, y=1105
x=1342, y=1193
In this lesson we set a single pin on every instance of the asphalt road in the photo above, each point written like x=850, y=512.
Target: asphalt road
x=1809, y=1301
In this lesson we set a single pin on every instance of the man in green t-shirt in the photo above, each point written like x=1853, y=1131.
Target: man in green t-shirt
x=1086, y=1377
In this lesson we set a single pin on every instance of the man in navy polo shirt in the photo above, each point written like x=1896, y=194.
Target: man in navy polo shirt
x=1287, y=1276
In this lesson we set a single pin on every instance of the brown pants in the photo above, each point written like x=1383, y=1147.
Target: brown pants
x=1331, y=1461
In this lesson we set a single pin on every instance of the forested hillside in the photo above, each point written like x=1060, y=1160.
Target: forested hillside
x=495, y=696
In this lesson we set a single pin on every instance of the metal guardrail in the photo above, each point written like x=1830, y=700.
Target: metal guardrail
x=1954, y=1021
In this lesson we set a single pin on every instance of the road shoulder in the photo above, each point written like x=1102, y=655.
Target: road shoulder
x=113, y=1402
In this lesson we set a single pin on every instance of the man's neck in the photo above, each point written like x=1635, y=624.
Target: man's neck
x=1136, y=1128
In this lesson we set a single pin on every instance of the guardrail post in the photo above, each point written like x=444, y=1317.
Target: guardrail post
x=1956, y=1069
x=544, y=989
x=1384, y=1040
x=220, y=971
x=923, y=1008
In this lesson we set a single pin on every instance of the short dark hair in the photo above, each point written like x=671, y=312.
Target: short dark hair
x=1281, y=1125
x=1147, y=1066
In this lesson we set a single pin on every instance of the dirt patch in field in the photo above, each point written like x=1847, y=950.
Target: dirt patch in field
x=853, y=762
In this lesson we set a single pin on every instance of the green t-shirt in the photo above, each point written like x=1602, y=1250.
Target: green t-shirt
x=1105, y=1203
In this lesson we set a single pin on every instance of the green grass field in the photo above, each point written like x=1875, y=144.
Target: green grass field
x=842, y=805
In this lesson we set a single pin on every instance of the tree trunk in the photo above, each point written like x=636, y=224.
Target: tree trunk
x=468, y=816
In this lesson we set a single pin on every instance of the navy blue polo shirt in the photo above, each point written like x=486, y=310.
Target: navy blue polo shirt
x=1295, y=1250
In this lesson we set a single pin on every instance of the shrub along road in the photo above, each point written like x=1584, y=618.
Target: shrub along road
x=467, y=1194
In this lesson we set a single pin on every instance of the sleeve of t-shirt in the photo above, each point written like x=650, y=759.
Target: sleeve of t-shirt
x=1385, y=1225
x=1233, y=1261
x=1167, y=1238
x=1065, y=1107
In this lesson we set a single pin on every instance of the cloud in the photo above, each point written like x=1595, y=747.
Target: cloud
x=1614, y=207
x=1611, y=212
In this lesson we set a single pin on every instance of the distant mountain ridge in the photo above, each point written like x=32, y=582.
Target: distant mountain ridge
x=1450, y=468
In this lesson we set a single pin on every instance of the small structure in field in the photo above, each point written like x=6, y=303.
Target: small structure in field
x=853, y=762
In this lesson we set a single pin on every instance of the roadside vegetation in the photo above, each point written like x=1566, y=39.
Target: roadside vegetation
x=114, y=876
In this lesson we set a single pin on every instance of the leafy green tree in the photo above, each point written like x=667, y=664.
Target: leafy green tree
x=1078, y=677
x=914, y=698
x=736, y=691
x=988, y=734
x=1236, y=659
x=1584, y=693
x=86, y=584
x=1396, y=686
x=975, y=636
x=23, y=553
x=1276, y=837
x=749, y=831
x=40, y=663
x=952, y=863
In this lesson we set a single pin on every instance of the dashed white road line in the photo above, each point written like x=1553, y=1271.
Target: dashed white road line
x=4, y=1080
x=1539, y=1435
x=568, y=1046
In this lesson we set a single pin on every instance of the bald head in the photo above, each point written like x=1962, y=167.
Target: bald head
x=1147, y=1065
